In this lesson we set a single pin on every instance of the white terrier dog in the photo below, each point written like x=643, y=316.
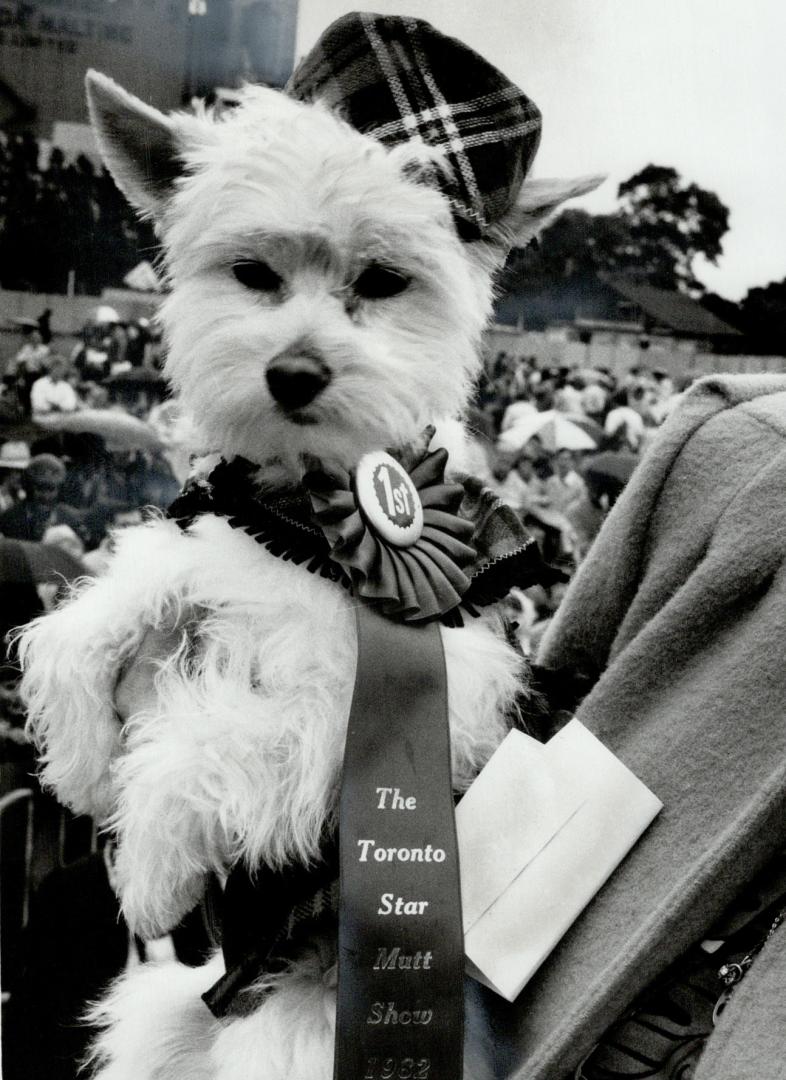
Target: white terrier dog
x=195, y=698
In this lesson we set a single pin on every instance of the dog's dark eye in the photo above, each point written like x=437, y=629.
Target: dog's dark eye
x=257, y=275
x=379, y=282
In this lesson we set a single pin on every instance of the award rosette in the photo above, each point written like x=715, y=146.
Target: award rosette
x=397, y=534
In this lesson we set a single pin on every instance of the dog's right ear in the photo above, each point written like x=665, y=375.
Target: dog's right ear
x=537, y=203
x=139, y=145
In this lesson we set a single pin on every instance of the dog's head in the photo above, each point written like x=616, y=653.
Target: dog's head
x=322, y=301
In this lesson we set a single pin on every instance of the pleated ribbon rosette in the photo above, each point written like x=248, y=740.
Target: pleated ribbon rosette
x=414, y=580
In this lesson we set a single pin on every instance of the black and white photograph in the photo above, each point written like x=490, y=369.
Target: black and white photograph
x=392, y=540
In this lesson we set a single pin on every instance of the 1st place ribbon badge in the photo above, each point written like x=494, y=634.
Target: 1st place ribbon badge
x=401, y=955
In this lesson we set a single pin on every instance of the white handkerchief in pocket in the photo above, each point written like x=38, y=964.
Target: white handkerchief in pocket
x=539, y=832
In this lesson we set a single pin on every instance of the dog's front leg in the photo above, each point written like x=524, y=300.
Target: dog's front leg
x=135, y=691
x=72, y=659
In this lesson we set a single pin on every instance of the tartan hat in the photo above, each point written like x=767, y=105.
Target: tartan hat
x=396, y=79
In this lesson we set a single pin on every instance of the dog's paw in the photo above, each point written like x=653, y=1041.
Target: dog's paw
x=135, y=691
x=154, y=1024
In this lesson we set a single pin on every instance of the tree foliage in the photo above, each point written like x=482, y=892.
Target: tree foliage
x=575, y=245
x=660, y=228
x=763, y=311
x=760, y=315
x=671, y=223
x=727, y=310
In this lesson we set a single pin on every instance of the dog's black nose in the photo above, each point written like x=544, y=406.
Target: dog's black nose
x=296, y=379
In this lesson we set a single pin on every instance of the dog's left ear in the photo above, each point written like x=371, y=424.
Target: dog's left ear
x=141, y=147
x=537, y=202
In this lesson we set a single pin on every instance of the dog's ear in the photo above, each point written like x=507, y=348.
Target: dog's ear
x=140, y=146
x=539, y=200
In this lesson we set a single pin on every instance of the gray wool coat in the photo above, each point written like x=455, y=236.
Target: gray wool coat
x=679, y=615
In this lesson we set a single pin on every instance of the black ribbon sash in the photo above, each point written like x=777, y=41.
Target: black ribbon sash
x=401, y=956
x=401, y=951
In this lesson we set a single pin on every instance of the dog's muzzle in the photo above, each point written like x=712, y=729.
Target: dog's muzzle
x=296, y=379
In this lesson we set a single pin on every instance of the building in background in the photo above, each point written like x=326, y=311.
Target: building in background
x=164, y=51
x=47, y=45
x=263, y=40
x=235, y=41
x=616, y=323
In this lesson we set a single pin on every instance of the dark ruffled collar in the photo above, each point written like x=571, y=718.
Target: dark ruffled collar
x=472, y=551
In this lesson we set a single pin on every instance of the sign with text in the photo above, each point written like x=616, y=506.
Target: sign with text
x=401, y=956
x=47, y=45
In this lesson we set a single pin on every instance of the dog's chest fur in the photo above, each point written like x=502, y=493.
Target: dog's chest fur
x=284, y=638
x=239, y=757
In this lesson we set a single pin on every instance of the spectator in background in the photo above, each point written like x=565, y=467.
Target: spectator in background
x=45, y=326
x=14, y=460
x=564, y=488
x=154, y=348
x=53, y=393
x=505, y=479
x=117, y=348
x=568, y=398
x=515, y=478
x=95, y=396
x=517, y=410
x=91, y=357
x=63, y=223
x=9, y=409
x=19, y=602
x=548, y=522
x=594, y=402
x=631, y=419
x=28, y=365
x=41, y=508
x=97, y=560
x=665, y=396
x=136, y=339
x=64, y=537
x=76, y=943
x=539, y=456
x=533, y=488
x=519, y=383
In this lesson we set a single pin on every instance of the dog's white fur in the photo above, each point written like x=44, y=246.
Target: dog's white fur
x=236, y=751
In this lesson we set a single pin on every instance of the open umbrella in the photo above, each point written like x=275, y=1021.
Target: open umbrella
x=608, y=473
x=23, y=566
x=105, y=315
x=135, y=376
x=554, y=429
x=120, y=430
x=587, y=424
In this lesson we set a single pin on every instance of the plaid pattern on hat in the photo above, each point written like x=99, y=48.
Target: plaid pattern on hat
x=397, y=79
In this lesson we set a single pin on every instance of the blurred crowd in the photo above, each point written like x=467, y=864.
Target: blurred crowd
x=65, y=226
x=108, y=353
x=91, y=439
x=559, y=445
x=87, y=439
